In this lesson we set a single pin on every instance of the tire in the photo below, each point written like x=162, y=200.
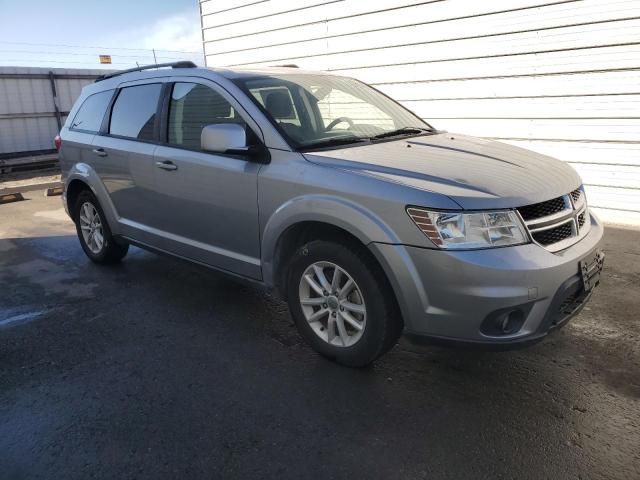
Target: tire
x=380, y=321
x=108, y=251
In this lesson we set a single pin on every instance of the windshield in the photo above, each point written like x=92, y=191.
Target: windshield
x=315, y=111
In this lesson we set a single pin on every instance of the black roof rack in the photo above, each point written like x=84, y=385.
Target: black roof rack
x=181, y=64
x=287, y=65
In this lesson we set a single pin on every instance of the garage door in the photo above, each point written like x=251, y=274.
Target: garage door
x=558, y=77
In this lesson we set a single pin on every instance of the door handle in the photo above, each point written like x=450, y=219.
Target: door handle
x=167, y=165
x=100, y=152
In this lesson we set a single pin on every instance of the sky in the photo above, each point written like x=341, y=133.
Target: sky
x=73, y=33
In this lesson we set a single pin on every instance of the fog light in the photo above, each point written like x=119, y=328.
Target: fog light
x=512, y=322
x=505, y=321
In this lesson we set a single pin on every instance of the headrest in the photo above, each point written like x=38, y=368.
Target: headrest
x=278, y=104
x=203, y=99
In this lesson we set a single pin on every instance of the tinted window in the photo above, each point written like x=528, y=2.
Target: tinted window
x=192, y=108
x=134, y=111
x=91, y=113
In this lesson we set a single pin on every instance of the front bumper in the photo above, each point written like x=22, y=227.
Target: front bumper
x=456, y=297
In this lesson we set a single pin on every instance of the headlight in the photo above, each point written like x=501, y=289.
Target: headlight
x=457, y=230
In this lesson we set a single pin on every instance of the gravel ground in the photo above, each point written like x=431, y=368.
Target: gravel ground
x=157, y=369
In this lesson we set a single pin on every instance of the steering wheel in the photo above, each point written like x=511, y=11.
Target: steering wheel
x=338, y=121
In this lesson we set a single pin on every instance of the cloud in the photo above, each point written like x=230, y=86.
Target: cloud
x=178, y=32
x=169, y=36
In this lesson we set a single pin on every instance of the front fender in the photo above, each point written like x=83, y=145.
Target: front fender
x=84, y=173
x=336, y=211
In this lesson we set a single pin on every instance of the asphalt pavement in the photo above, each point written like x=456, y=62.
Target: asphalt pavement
x=157, y=369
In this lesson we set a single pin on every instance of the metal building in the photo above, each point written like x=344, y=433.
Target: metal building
x=34, y=103
x=560, y=77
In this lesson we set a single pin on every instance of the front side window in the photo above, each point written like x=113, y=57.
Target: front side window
x=91, y=112
x=194, y=106
x=134, y=111
x=320, y=110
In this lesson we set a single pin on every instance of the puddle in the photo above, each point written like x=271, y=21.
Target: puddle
x=53, y=278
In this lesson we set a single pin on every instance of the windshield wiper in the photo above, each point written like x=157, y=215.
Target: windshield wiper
x=333, y=142
x=403, y=131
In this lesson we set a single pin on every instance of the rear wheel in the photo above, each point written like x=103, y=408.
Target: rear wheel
x=94, y=233
x=341, y=302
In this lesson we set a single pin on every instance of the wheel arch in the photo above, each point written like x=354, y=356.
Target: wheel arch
x=83, y=177
x=312, y=217
x=73, y=190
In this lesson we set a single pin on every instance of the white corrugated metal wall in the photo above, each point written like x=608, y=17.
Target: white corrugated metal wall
x=560, y=77
x=27, y=112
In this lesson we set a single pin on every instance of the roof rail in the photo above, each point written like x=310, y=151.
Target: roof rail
x=287, y=65
x=181, y=64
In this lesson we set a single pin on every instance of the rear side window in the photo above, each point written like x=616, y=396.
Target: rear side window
x=91, y=112
x=134, y=111
x=193, y=107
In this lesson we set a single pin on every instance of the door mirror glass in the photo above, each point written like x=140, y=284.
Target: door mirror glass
x=224, y=138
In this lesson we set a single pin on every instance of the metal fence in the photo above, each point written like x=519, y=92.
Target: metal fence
x=34, y=104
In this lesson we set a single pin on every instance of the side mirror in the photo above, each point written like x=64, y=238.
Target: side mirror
x=231, y=138
x=224, y=138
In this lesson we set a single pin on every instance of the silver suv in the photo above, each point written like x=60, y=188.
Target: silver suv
x=370, y=222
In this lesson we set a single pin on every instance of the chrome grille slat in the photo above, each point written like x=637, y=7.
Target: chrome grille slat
x=550, y=226
x=551, y=220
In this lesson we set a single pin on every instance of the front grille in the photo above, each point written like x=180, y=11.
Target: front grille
x=553, y=235
x=557, y=223
x=542, y=209
x=576, y=194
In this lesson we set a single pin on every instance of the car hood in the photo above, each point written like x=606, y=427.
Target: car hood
x=474, y=172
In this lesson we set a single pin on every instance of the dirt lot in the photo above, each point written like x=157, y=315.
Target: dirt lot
x=157, y=369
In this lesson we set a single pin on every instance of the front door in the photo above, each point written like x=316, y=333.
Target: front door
x=207, y=202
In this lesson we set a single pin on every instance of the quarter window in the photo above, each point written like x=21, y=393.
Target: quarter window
x=91, y=112
x=134, y=112
x=193, y=107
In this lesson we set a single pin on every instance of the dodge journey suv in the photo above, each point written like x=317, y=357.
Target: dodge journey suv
x=370, y=222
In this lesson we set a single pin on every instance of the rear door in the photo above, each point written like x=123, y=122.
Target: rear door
x=124, y=154
x=78, y=132
x=208, y=200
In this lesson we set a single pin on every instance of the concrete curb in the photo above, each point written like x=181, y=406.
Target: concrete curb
x=50, y=192
x=31, y=188
x=10, y=197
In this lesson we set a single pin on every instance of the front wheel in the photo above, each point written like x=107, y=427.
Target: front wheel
x=341, y=302
x=94, y=233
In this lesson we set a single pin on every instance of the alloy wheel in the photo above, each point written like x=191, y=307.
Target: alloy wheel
x=91, y=227
x=333, y=304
